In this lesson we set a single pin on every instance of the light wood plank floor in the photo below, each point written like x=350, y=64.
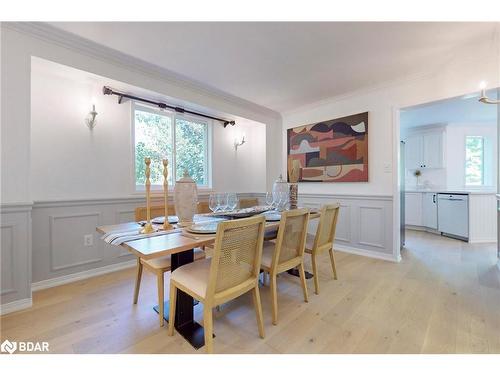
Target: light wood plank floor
x=444, y=297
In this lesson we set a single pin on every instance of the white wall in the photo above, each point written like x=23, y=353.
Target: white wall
x=68, y=161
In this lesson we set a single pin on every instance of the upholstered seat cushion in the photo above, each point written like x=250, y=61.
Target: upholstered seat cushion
x=267, y=254
x=164, y=263
x=194, y=276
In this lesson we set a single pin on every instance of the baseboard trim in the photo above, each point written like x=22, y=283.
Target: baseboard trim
x=367, y=253
x=14, y=306
x=66, y=279
x=482, y=240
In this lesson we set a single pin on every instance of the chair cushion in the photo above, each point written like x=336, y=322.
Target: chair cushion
x=165, y=263
x=193, y=276
x=162, y=263
x=267, y=254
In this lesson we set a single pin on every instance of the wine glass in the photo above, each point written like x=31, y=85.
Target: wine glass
x=232, y=201
x=221, y=202
x=282, y=200
x=212, y=202
x=269, y=199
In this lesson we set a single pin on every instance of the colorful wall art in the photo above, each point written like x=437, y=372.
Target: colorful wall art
x=330, y=151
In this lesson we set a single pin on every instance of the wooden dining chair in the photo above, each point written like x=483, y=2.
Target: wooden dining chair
x=232, y=271
x=158, y=266
x=323, y=240
x=248, y=202
x=286, y=252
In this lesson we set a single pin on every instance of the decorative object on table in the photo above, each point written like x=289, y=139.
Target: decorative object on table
x=148, y=228
x=417, y=175
x=331, y=151
x=90, y=119
x=185, y=199
x=166, y=224
x=293, y=177
x=279, y=186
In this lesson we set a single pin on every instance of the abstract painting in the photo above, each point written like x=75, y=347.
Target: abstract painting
x=330, y=151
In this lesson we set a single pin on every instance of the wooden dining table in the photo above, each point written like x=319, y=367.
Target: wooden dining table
x=179, y=243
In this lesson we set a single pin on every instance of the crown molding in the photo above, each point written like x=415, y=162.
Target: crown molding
x=48, y=33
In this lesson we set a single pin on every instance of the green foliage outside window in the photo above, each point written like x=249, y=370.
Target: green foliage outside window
x=154, y=138
x=474, y=160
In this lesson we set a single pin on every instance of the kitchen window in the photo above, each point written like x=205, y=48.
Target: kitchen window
x=474, y=160
x=183, y=140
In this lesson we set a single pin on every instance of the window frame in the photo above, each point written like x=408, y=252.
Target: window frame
x=483, y=161
x=139, y=189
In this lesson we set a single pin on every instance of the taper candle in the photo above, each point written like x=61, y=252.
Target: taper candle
x=166, y=225
x=148, y=228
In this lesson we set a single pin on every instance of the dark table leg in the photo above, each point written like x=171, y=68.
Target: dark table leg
x=184, y=311
x=295, y=272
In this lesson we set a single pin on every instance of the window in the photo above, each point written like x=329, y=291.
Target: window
x=474, y=160
x=182, y=140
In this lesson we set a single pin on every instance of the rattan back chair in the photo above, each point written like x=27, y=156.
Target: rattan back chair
x=158, y=266
x=286, y=252
x=323, y=240
x=232, y=271
x=248, y=202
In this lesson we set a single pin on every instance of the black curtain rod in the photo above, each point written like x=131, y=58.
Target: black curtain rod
x=108, y=91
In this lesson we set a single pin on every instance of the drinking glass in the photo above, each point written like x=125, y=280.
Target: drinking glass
x=232, y=201
x=269, y=199
x=212, y=202
x=221, y=202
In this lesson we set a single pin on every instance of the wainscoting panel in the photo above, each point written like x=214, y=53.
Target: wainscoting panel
x=7, y=257
x=364, y=226
x=15, y=261
x=67, y=249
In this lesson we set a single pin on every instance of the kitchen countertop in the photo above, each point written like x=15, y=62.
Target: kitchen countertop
x=452, y=191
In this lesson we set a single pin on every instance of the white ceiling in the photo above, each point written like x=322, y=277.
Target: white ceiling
x=461, y=110
x=282, y=66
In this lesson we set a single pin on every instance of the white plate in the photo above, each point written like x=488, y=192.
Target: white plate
x=273, y=217
x=203, y=228
x=161, y=220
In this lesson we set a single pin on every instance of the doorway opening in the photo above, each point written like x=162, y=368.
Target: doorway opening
x=449, y=172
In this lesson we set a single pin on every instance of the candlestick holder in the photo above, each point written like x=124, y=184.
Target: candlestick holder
x=166, y=224
x=148, y=228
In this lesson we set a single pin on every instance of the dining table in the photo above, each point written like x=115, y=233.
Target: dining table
x=179, y=243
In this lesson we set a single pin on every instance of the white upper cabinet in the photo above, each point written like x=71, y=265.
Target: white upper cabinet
x=425, y=150
x=433, y=150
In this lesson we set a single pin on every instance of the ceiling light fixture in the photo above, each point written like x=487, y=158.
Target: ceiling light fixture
x=483, y=98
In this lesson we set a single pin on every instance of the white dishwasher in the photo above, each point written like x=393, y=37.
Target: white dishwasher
x=453, y=215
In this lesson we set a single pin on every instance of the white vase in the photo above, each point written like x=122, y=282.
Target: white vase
x=185, y=199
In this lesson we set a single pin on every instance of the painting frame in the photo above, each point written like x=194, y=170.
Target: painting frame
x=333, y=150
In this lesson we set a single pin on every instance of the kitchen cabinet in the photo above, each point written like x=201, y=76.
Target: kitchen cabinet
x=429, y=210
x=424, y=150
x=413, y=209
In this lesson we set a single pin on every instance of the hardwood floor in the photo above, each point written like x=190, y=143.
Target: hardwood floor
x=444, y=297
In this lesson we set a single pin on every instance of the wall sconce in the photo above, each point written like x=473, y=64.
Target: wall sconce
x=239, y=141
x=90, y=119
x=483, y=98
